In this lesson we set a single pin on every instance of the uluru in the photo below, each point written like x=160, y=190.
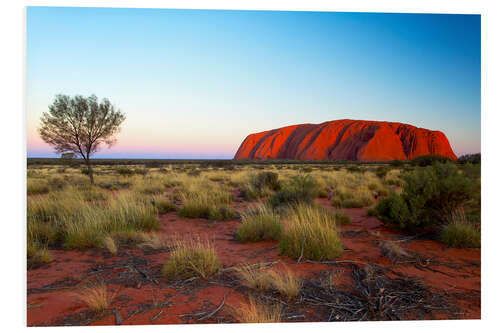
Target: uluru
x=346, y=139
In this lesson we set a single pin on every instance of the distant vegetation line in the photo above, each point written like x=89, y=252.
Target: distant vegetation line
x=472, y=158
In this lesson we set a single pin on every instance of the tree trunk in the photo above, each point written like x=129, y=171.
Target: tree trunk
x=91, y=172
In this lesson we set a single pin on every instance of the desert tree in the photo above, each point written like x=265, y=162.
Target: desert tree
x=81, y=125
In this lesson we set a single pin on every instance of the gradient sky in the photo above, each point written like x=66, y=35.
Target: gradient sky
x=195, y=83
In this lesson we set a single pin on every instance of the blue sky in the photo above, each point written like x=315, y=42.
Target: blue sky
x=195, y=83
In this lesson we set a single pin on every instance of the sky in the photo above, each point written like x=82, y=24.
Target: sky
x=195, y=83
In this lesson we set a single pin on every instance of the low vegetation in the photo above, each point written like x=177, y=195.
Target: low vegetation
x=257, y=312
x=310, y=234
x=429, y=196
x=285, y=282
x=460, y=232
x=194, y=258
x=259, y=223
x=96, y=297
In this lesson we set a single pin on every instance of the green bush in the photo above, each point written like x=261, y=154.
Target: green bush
x=426, y=160
x=462, y=235
x=264, y=180
x=429, y=196
x=301, y=189
x=470, y=158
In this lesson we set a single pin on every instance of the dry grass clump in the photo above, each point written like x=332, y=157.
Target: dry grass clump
x=95, y=297
x=163, y=206
x=37, y=254
x=310, y=234
x=393, y=251
x=37, y=186
x=259, y=223
x=353, y=198
x=203, y=199
x=66, y=218
x=459, y=232
x=109, y=244
x=195, y=258
x=256, y=312
x=393, y=177
x=286, y=283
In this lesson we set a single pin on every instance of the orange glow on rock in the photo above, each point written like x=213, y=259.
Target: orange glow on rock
x=355, y=140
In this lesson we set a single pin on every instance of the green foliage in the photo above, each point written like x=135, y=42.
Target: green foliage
x=259, y=223
x=461, y=234
x=426, y=160
x=310, y=234
x=164, y=206
x=470, y=158
x=301, y=189
x=191, y=259
x=265, y=179
x=397, y=163
x=429, y=196
x=381, y=171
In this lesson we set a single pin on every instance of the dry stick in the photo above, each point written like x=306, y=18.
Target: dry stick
x=337, y=262
x=156, y=315
x=272, y=263
x=145, y=274
x=215, y=311
x=301, y=252
x=118, y=317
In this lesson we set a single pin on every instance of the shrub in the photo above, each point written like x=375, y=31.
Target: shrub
x=381, y=171
x=301, y=189
x=310, y=234
x=259, y=223
x=192, y=259
x=429, y=196
x=124, y=171
x=426, y=160
x=253, y=312
x=470, y=158
x=397, y=163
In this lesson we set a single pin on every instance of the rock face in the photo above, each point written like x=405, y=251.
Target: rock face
x=355, y=140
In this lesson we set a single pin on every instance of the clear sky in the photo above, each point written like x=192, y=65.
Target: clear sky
x=195, y=83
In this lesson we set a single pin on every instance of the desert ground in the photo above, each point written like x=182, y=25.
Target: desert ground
x=173, y=243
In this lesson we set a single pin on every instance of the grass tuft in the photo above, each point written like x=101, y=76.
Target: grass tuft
x=310, y=234
x=193, y=258
x=259, y=223
x=95, y=297
x=254, y=312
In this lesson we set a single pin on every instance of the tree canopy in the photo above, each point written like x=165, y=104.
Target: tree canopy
x=81, y=125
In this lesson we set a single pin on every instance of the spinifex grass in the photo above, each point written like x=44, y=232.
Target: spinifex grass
x=66, y=218
x=256, y=312
x=191, y=258
x=310, y=234
x=259, y=223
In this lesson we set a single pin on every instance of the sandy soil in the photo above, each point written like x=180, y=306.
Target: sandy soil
x=143, y=296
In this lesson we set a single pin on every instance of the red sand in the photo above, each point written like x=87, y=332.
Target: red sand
x=51, y=289
x=346, y=139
